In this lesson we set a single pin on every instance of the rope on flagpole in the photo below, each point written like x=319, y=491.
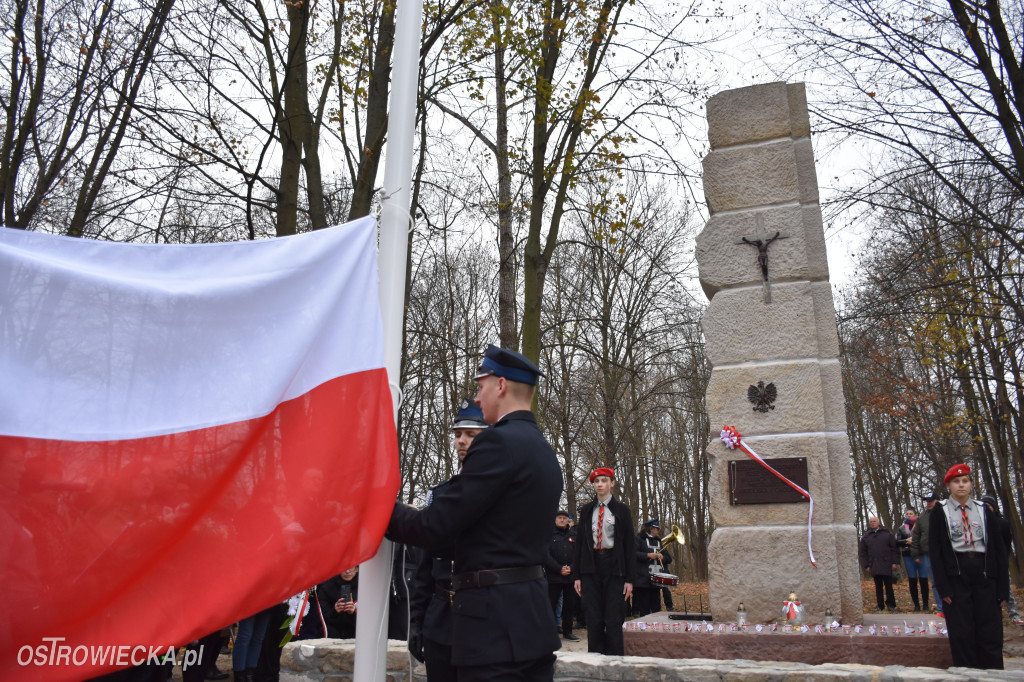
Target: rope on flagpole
x=402, y=213
x=396, y=390
x=734, y=441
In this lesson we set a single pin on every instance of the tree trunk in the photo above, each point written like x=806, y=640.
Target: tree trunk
x=508, y=334
x=376, y=116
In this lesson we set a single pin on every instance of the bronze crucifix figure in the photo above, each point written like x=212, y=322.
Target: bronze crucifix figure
x=761, y=244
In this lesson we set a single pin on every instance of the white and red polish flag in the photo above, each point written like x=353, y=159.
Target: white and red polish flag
x=188, y=434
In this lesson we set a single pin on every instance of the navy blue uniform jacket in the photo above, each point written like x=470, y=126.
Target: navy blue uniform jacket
x=434, y=613
x=496, y=514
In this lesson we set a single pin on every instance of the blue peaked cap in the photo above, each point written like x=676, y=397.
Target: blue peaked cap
x=514, y=366
x=653, y=522
x=469, y=416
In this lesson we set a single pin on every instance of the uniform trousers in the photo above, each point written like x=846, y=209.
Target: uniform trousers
x=604, y=607
x=974, y=617
x=438, y=659
x=538, y=670
x=666, y=594
x=209, y=648
x=268, y=669
x=646, y=600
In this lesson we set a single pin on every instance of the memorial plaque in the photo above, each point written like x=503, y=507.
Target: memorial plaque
x=751, y=483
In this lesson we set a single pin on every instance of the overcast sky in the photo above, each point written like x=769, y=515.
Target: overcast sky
x=754, y=55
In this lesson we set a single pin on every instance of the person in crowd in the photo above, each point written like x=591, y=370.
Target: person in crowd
x=268, y=669
x=248, y=642
x=404, y=561
x=605, y=563
x=971, y=571
x=580, y=619
x=497, y=513
x=561, y=552
x=577, y=611
x=649, y=560
x=204, y=653
x=333, y=607
x=919, y=552
x=151, y=671
x=915, y=572
x=430, y=620
x=1007, y=533
x=879, y=556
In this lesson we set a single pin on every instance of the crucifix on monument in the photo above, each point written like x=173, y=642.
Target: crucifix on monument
x=762, y=243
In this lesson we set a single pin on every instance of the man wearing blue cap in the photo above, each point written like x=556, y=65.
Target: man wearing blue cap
x=497, y=514
x=430, y=628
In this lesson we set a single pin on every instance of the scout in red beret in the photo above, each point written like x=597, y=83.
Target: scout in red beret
x=604, y=564
x=971, y=572
x=956, y=470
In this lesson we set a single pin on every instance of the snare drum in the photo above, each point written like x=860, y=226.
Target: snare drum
x=665, y=579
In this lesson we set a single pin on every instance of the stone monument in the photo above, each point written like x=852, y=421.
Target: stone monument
x=771, y=337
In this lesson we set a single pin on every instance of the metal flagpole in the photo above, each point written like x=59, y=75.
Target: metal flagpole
x=395, y=221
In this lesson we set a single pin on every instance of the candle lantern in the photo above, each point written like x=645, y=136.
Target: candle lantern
x=793, y=611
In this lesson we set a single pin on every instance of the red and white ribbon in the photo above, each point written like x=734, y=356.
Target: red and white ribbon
x=734, y=441
x=789, y=608
x=300, y=612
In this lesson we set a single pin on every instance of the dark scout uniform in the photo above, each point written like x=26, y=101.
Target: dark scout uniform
x=603, y=573
x=969, y=563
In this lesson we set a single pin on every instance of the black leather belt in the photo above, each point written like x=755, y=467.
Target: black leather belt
x=496, y=576
x=443, y=589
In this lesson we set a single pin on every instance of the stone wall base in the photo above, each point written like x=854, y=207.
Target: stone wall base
x=331, y=660
x=737, y=557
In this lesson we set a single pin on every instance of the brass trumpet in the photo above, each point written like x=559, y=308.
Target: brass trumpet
x=675, y=536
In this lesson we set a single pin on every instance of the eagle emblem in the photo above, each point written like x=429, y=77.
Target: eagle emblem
x=762, y=396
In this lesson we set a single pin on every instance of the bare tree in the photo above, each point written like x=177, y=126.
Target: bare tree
x=939, y=82
x=71, y=87
x=549, y=77
x=932, y=355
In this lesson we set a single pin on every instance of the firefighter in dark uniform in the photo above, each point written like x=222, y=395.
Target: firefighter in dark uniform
x=430, y=629
x=971, y=570
x=605, y=564
x=561, y=552
x=497, y=512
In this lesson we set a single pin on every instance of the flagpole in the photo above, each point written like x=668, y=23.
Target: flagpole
x=395, y=222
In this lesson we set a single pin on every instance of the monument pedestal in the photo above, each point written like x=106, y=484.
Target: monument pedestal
x=882, y=650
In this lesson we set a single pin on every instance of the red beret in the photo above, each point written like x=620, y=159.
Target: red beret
x=956, y=470
x=602, y=471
